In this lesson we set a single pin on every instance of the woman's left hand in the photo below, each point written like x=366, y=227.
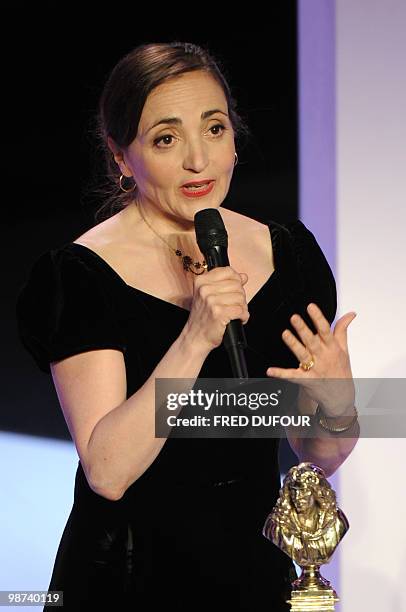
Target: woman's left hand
x=329, y=351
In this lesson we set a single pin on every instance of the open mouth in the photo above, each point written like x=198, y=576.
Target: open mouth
x=197, y=186
x=197, y=189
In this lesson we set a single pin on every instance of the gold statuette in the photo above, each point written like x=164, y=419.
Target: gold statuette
x=307, y=525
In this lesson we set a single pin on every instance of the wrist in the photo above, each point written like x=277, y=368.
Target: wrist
x=190, y=345
x=338, y=423
x=337, y=411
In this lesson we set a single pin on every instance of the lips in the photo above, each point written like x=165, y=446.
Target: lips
x=195, y=189
x=197, y=183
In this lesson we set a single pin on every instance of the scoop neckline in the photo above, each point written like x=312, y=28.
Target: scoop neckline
x=156, y=297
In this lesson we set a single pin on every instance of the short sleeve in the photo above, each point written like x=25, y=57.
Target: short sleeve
x=304, y=272
x=319, y=285
x=64, y=308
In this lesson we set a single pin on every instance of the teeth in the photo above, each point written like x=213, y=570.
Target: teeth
x=196, y=186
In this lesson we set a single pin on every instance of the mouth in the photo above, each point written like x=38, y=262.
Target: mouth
x=197, y=188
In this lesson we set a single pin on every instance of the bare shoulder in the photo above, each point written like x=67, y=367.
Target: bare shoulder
x=99, y=235
x=95, y=233
x=250, y=246
x=240, y=224
x=246, y=233
x=110, y=230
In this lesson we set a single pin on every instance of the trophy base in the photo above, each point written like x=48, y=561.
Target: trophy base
x=312, y=592
x=320, y=601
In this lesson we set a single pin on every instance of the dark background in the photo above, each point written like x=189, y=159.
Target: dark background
x=59, y=58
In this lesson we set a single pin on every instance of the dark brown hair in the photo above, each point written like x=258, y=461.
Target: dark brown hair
x=124, y=96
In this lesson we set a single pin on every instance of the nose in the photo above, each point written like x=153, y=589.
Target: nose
x=196, y=157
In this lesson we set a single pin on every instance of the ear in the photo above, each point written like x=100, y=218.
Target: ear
x=118, y=157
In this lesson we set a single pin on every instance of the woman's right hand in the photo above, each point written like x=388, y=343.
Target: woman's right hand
x=218, y=298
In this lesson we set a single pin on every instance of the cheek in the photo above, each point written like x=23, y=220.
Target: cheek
x=224, y=167
x=151, y=171
x=157, y=174
x=228, y=157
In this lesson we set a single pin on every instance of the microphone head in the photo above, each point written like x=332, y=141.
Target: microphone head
x=210, y=229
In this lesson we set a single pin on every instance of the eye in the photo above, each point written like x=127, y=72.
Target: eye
x=218, y=125
x=166, y=137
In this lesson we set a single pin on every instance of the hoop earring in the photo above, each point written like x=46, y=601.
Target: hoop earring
x=236, y=160
x=121, y=185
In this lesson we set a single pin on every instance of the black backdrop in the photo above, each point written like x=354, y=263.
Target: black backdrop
x=58, y=58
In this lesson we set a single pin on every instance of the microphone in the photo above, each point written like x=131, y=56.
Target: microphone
x=212, y=240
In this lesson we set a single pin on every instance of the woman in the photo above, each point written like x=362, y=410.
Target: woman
x=158, y=521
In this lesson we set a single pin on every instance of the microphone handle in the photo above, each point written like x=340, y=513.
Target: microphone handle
x=234, y=337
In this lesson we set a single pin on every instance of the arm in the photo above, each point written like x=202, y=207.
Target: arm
x=115, y=435
x=133, y=422
x=117, y=445
x=328, y=451
x=329, y=352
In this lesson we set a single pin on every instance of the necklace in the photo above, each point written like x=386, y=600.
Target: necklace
x=187, y=261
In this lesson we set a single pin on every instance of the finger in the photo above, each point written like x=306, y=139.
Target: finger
x=321, y=323
x=286, y=373
x=296, y=346
x=228, y=287
x=229, y=309
x=228, y=298
x=220, y=273
x=340, y=330
x=310, y=340
x=225, y=272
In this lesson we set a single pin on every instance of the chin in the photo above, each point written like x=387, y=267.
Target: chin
x=195, y=207
x=203, y=205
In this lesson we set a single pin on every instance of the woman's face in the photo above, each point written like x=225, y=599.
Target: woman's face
x=184, y=134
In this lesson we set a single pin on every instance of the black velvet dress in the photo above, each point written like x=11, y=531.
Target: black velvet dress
x=188, y=533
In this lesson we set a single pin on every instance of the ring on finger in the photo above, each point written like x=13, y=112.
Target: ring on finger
x=307, y=365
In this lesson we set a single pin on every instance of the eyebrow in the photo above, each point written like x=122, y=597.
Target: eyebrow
x=178, y=121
